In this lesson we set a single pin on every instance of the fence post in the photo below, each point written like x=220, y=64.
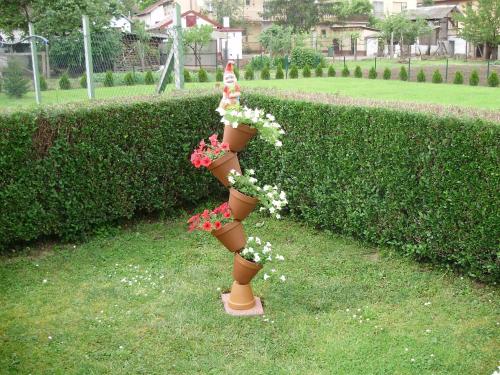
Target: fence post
x=178, y=49
x=446, y=74
x=286, y=66
x=375, y=62
x=34, y=62
x=344, y=61
x=89, y=66
x=409, y=68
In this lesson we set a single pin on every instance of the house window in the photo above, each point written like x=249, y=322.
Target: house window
x=323, y=33
x=378, y=8
x=247, y=2
x=191, y=20
x=398, y=7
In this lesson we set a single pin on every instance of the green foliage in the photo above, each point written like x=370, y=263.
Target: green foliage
x=149, y=79
x=421, y=76
x=493, y=79
x=306, y=72
x=474, y=78
x=387, y=74
x=345, y=71
x=372, y=73
x=64, y=83
x=437, y=77
x=265, y=74
x=306, y=56
x=237, y=72
x=358, y=73
x=187, y=76
x=219, y=75
x=319, y=71
x=279, y=73
x=43, y=84
x=109, y=80
x=129, y=79
x=15, y=83
x=195, y=38
x=459, y=78
x=249, y=74
x=331, y=71
x=202, y=75
x=259, y=62
x=403, y=74
x=294, y=72
x=1, y=84
x=276, y=39
x=83, y=81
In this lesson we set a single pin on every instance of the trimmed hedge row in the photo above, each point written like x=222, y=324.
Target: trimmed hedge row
x=425, y=185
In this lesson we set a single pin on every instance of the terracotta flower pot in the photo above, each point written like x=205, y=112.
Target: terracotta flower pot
x=232, y=236
x=241, y=205
x=237, y=138
x=244, y=270
x=241, y=297
x=220, y=167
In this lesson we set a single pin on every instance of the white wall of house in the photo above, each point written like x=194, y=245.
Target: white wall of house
x=234, y=41
x=121, y=23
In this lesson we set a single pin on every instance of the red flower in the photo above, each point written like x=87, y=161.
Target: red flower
x=217, y=225
x=213, y=140
x=224, y=146
x=206, y=161
x=207, y=226
x=227, y=214
x=206, y=214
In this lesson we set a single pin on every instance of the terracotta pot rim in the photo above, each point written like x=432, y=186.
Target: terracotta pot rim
x=245, y=129
x=247, y=263
x=243, y=197
x=218, y=162
x=225, y=228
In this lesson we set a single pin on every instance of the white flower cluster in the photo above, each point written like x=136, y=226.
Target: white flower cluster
x=269, y=130
x=273, y=200
x=261, y=253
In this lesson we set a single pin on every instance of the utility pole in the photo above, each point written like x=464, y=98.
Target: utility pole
x=34, y=62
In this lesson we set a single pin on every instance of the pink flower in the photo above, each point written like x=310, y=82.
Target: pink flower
x=213, y=140
x=206, y=161
x=207, y=226
x=224, y=146
x=218, y=225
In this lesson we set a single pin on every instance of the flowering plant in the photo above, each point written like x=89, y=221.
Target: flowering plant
x=269, y=130
x=205, y=154
x=257, y=252
x=211, y=220
x=271, y=199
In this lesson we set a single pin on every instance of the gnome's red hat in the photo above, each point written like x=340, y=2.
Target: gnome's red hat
x=229, y=67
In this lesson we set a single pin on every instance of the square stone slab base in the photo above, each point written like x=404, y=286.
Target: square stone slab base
x=256, y=310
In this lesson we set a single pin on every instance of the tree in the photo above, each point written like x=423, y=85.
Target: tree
x=142, y=45
x=14, y=82
x=277, y=40
x=197, y=37
x=227, y=8
x=481, y=24
x=474, y=78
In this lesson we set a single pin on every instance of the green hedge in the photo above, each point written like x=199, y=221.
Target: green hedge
x=425, y=185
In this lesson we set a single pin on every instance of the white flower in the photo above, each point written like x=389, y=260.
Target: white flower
x=282, y=195
x=273, y=270
x=266, y=249
x=235, y=124
x=256, y=258
x=252, y=180
x=266, y=276
x=250, y=239
x=231, y=180
x=276, y=204
x=283, y=278
x=266, y=187
x=272, y=210
x=278, y=143
x=278, y=216
x=258, y=241
x=221, y=111
x=44, y=281
x=251, y=172
x=280, y=257
x=262, y=209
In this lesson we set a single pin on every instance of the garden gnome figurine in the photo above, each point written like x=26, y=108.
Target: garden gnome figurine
x=231, y=93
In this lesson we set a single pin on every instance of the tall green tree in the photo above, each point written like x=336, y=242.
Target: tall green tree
x=481, y=24
x=195, y=38
x=227, y=8
x=277, y=40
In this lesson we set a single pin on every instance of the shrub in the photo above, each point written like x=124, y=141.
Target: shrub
x=421, y=76
x=15, y=84
x=372, y=73
x=345, y=71
x=474, y=78
x=306, y=56
x=403, y=74
x=149, y=79
x=43, y=84
x=109, y=80
x=294, y=72
x=358, y=73
x=259, y=62
x=493, y=79
x=265, y=74
x=279, y=73
x=331, y=71
x=219, y=75
x=249, y=75
x=64, y=83
x=306, y=72
x=387, y=74
x=202, y=75
x=129, y=79
x=83, y=81
x=437, y=77
x=318, y=72
x=459, y=78
x=237, y=72
x=187, y=76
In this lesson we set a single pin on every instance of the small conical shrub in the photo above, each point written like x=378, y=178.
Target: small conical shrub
x=83, y=81
x=387, y=74
x=403, y=74
x=109, y=80
x=279, y=72
x=219, y=75
x=493, y=79
x=249, y=75
x=306, y=72
x=346, y=72
x=294, y=72
x=421, y=76
x=64, y=83
x=358, y=73
x=129, y=79
x=474, y=78
x=202, y=75
x=1, y=83
x=319, y=71
x=331, y=71
x=265, y=73
x=187, y=76
x=372, y=74
x=237, y=72
x=15, y=84
x=459, y=78
x=149, y=79
x=437, y=77
x=43, y=84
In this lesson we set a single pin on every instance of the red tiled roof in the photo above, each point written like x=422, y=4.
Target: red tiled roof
x=197, y=14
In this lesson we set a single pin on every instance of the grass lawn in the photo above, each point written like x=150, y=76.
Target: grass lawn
x=146, y=300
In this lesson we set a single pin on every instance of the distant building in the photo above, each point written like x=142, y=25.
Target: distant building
x=161, y=11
